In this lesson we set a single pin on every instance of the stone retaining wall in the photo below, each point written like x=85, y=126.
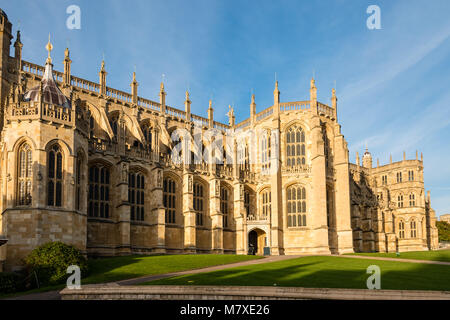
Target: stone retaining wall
x=116, y=292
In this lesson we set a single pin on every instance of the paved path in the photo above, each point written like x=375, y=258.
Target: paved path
x=397, y=259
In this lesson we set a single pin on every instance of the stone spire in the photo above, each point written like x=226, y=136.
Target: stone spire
x=187, y=106
x=211, y=115
x=334, y=102
x=18, y=46
x=67, y=63
x=134, y=85
x=252, y=109
x=49, y=48
x=231, y=117
x=276, y=101
x=102, y=75
x=162, y=98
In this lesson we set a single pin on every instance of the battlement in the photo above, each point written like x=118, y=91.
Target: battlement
x=36, y=72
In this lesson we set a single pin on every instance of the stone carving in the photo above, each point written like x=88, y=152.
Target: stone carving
x=159, y=178
x=124, y=173
x=190, y=183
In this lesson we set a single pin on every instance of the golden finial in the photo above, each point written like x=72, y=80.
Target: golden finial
x=49, y=48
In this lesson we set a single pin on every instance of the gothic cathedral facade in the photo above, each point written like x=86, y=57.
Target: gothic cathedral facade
x=90, y=166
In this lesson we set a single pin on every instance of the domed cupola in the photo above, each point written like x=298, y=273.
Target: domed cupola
x=367, y=159
x=50, y=91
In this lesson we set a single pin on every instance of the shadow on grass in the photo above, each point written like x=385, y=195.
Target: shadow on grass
x=324, y=272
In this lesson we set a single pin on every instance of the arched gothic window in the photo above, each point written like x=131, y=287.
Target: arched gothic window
x=198, y=203
x=400, y=201
x=412, y=200
x=401, y=230
x=24, y=175
x=265, y=151
x=224, y=205
x=296, y=206
x=136, y=192
x=148, y=134
x=247, y=203
x=295, y=146
x=413, y=228
x=169, y=198
x=265, y=204
x=99, y=191
x=55, y=176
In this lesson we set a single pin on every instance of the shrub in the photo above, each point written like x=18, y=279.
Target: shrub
x=443, y=230
x=10, y=282
x=50, y=261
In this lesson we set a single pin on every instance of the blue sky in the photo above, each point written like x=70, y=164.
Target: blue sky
x=392, y=84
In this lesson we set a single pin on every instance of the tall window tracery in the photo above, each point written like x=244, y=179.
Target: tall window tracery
x=24, y=175
x=99, y=187
x=224, y=205
x=296, y=206
x=198, y=203
x=265, y=204
x=295, y=146
x=265, y=151
x=55, y=176
x=136, y=192
x=169, y=199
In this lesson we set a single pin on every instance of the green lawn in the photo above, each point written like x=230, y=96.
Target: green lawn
x=437, y=255
x=127, y=267
x=120, y=268
x=324, y=272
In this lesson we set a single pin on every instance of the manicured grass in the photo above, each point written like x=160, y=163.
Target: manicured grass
x=437, y=255
x=323, y=272
x=127, y=267
x=120, y=268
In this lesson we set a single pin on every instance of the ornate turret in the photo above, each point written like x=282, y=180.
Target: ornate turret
x=47, y=91
x=367, y=159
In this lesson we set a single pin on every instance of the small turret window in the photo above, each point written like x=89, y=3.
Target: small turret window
x=401, y=230
x=400, y=201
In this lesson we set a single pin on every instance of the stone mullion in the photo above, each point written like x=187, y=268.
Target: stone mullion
x=123, y=208
x=239, y=217
x=342, y=189
x=188, y=212
x=216, y=216
x=158, y=215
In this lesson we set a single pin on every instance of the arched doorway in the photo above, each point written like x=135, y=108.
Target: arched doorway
x=257, y=240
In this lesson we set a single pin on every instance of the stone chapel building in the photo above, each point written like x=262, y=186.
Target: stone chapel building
x=90, y=165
